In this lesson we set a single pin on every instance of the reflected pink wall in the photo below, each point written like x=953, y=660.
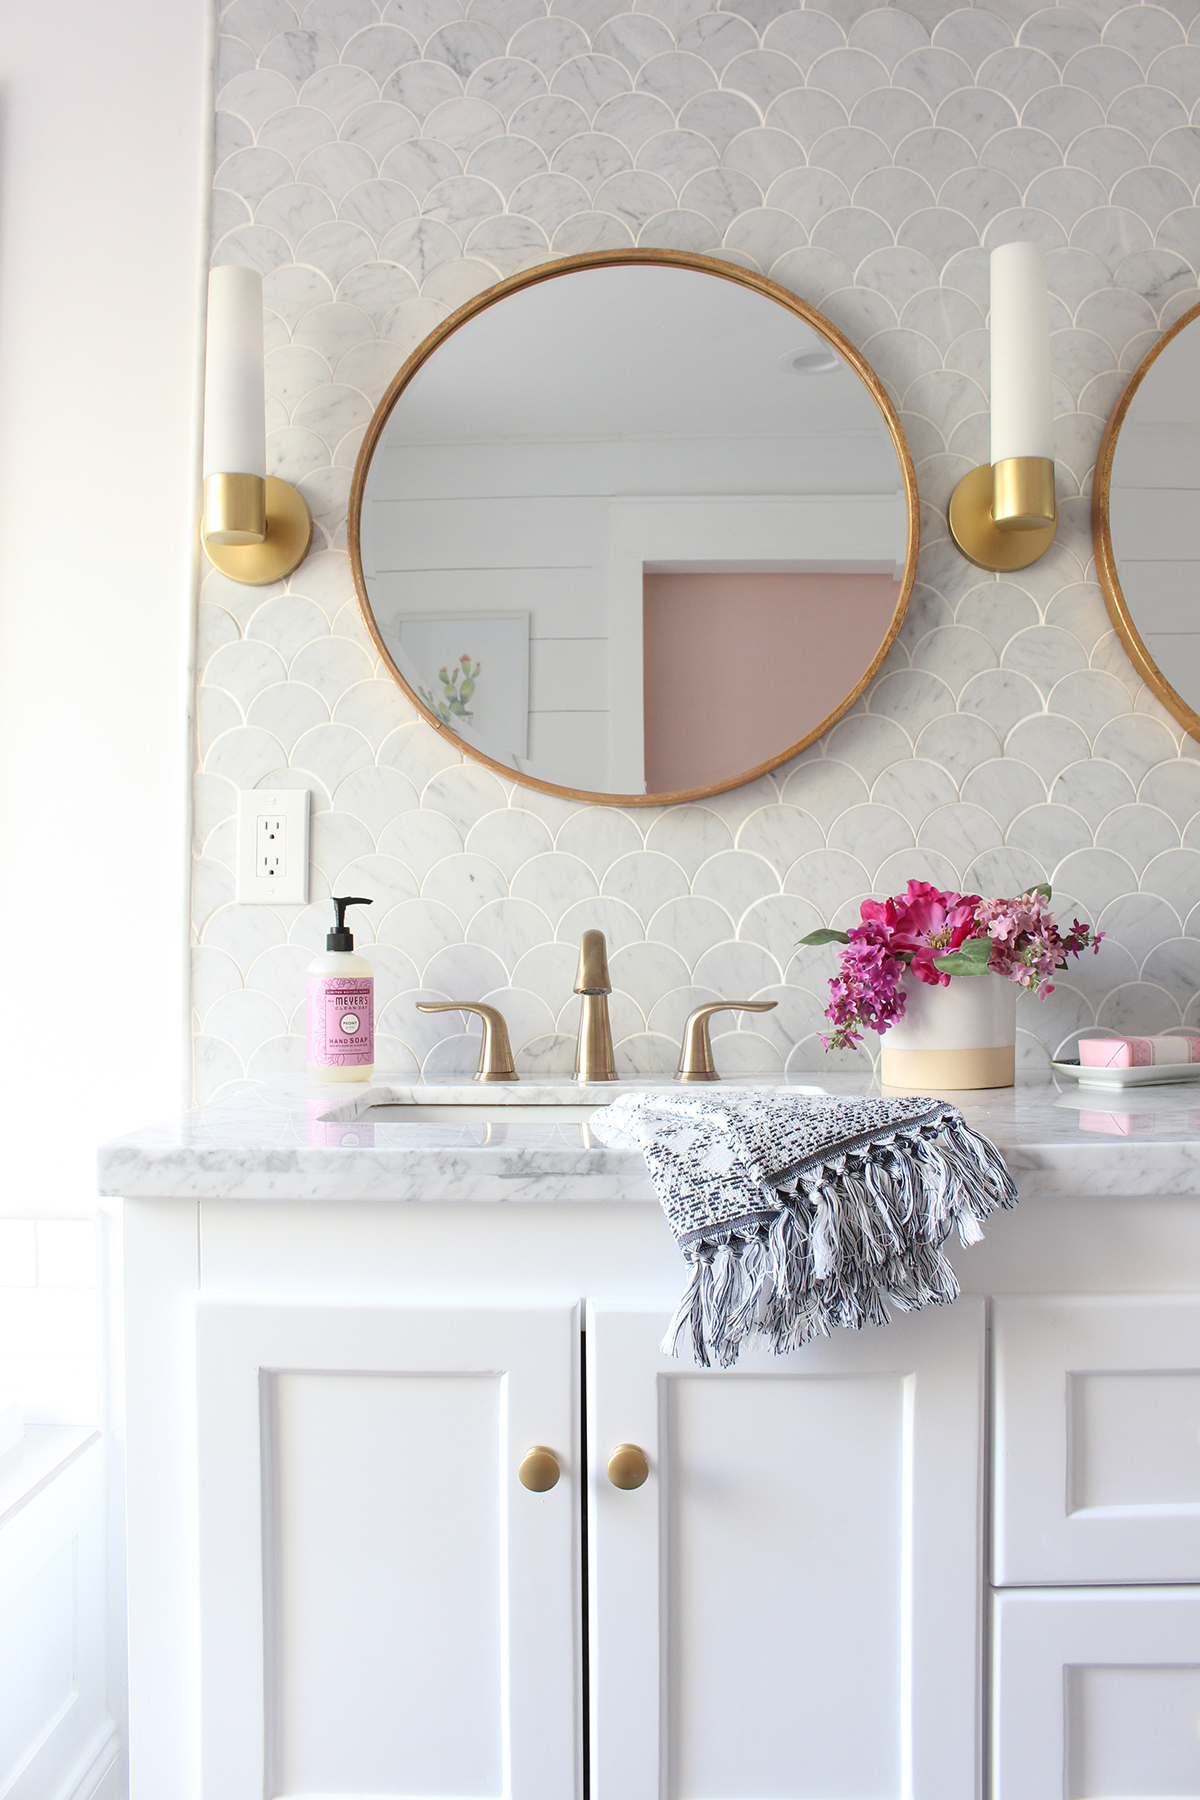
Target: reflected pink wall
x=739, y=666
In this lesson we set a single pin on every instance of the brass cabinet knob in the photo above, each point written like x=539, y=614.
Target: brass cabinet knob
x=627, y=1466
x=539, y=1470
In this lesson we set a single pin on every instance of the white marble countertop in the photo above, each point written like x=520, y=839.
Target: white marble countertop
x=278, y=1141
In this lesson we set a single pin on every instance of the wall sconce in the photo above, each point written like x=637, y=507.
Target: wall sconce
x=1003, y=514
x=254, y=528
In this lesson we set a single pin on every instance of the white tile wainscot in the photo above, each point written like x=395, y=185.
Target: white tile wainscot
x=57, y=1738
x=343, y=1334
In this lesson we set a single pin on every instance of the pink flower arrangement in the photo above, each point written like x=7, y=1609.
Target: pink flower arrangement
x=935, y=935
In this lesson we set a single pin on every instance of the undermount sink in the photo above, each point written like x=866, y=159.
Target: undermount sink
x=537, y=1101
x=421, y=1112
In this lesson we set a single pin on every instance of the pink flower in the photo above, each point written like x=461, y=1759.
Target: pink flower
x=1026, y=945
x=866, y=991
x=913, y=930
x=924, y=923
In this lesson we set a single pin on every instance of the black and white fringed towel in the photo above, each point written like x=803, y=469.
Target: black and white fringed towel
x=799, y=1213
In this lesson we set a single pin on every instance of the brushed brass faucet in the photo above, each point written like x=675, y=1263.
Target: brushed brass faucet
x=695, y=1052
x=594, y=1060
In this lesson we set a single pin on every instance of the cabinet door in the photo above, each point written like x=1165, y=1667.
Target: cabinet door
x=1097, y=1452
x=789, y=1607
x=1096, y=1691
x=384, y=1608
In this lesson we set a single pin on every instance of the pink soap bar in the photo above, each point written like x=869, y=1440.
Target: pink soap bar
x=1137, y=1052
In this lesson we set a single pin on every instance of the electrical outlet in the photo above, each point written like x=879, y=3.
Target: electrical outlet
x=272, y=847
x=270, y=853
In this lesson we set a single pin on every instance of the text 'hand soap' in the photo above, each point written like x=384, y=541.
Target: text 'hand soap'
x=341, y=1005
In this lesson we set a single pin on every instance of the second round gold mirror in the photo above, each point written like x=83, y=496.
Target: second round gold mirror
x=1146, y=519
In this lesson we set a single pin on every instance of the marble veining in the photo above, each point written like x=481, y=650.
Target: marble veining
x=291, y=1139
x=381, y=163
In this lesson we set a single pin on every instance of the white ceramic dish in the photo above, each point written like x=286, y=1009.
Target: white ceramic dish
x=1160, y=1075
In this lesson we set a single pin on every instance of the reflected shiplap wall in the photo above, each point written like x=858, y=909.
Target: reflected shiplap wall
x=380, y=164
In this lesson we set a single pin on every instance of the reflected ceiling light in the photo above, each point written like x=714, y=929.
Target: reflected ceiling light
x=1003, y=514
x=254, y=528
x=810, y=362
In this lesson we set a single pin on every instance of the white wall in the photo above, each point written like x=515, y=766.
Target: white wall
x=104, y=151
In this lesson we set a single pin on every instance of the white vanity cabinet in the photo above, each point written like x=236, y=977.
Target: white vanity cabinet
x=957, y=1558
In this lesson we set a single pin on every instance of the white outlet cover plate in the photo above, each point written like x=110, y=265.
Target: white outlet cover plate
x=290, y=888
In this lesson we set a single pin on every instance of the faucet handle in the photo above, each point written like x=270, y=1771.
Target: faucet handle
x=695, y=1052
x=495, y=1052
x=592, y=974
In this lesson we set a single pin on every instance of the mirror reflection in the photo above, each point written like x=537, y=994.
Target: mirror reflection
x=636, y=529
x=1153, y=508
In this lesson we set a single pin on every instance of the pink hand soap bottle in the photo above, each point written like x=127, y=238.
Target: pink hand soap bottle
x=341, y=1005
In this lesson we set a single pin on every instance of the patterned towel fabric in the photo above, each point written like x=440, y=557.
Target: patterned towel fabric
x=799, y=1213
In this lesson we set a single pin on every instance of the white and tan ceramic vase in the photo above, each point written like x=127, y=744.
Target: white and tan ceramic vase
x=961, y=1036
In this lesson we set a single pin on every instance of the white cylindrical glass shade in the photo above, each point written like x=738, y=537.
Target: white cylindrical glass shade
x=235, y=431
x=1022, y=407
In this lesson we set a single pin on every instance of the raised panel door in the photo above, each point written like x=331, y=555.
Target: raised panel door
x=384, y=1608
x=789, y=1607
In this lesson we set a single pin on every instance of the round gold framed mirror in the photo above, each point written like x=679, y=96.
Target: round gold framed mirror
x=1146, y=519
x=635, y=527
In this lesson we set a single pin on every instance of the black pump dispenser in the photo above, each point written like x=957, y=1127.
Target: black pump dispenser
x=339, y=938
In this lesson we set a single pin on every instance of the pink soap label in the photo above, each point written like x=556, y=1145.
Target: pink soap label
x=341, y=1020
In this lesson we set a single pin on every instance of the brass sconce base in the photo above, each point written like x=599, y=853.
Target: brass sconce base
x=289, y=534
x=975, y=531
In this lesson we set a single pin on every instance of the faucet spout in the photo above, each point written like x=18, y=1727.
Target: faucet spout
x=592, y=975
x=594, y=1059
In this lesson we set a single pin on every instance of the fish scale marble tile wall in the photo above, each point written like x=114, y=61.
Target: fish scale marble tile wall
x=382, y=163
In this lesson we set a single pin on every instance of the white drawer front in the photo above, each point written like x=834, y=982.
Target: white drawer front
x=1096, y=1694
x=1097, y=1438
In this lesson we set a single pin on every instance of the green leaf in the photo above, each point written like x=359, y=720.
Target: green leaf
x=971, y=959
x=825, y=937
x=1043, y=888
